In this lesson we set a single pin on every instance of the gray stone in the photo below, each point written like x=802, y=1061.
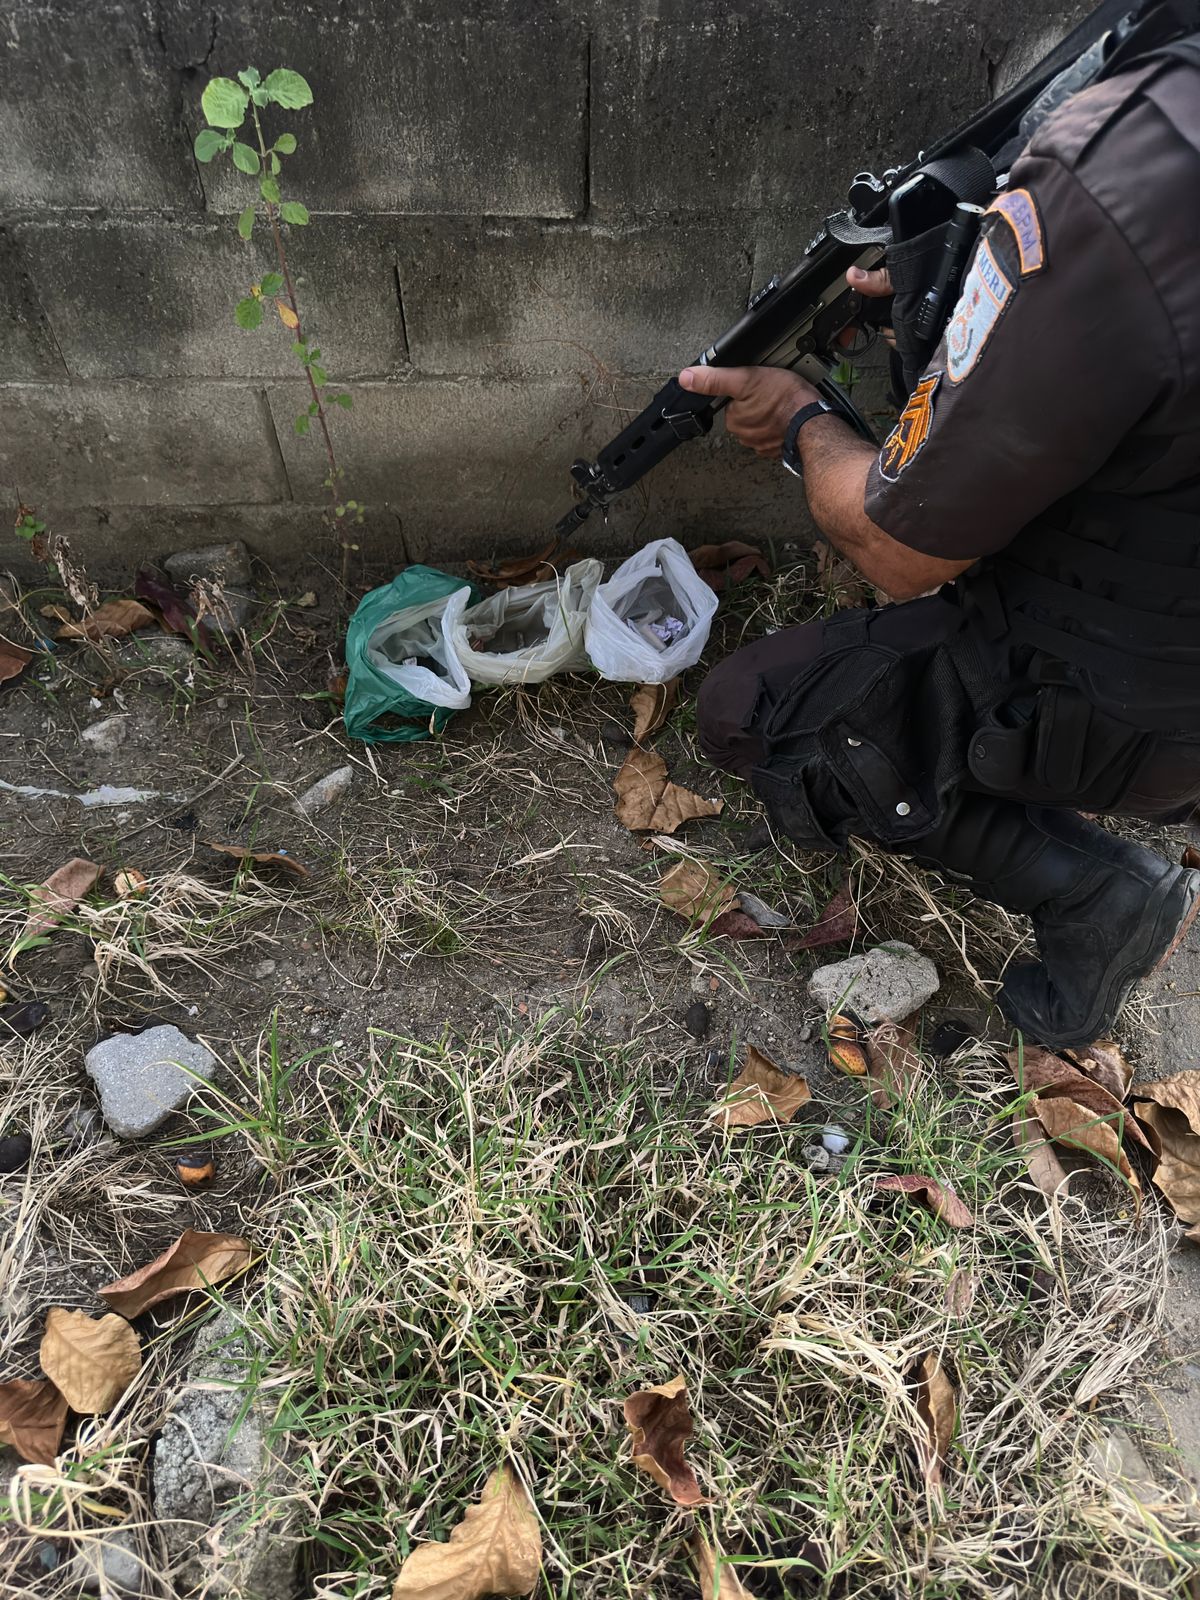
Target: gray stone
x=88, y=110
x=135, y=443
x=886, y=984
x=143, y=1077
x=264, y=969
x=225, y=570
x=145, y=297
x=326, y=792
x=110, y=1563
x=419, y=107
x=159, y=650
x=107, y=735
x=211, y=1464
x=520, y=297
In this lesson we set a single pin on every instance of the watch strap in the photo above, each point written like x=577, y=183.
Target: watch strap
x=791, y=460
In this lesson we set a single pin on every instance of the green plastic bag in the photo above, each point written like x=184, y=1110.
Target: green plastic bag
x=400, y=662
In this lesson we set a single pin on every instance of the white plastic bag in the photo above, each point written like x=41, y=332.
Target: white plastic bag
x=414, y=649
x=524, y=635
x=652, y=618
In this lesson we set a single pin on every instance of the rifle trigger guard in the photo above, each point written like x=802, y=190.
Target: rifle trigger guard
x=687, y=424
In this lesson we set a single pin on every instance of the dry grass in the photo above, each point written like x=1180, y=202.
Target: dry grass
x=478, y=1241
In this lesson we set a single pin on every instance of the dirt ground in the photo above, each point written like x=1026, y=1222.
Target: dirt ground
x=463, y=886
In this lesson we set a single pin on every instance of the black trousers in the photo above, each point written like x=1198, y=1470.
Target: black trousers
x=862, y=724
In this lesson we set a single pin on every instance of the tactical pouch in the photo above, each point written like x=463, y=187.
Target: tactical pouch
x=912, y=264
x=1059, y=749
x=867, y=740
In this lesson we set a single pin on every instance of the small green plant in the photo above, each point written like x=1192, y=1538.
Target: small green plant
x=225, y=104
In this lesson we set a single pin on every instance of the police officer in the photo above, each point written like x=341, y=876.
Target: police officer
x=1035, y=514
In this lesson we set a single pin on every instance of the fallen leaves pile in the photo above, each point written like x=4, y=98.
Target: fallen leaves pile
x=702, y=897
x=89, y=1362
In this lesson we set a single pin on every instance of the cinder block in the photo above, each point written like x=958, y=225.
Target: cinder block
x=523, y=297
x=27, y=348
x=777, y=105
x=154, y=298
x=139, y=444
x=289, y=539
x=89, y=109
x=417, y=107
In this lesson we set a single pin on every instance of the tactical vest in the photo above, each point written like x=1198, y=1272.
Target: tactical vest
x=1107, y=586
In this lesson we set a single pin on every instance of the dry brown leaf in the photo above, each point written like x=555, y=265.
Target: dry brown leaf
x=659, y=1420
x=960, y=1291
x=273, y=858
x=761, y=1093
x=495, y=1550
x=1044, y=1167
x=837, y=924
x=1190, y=858
x=113, y=620
x=193, y=1261
x=33, y=1415
x=731, y=562
x=1079, y=1128
x=938, y=1409
x=286, y=315
x=737, y=924
x=60, y=894
x=1052, y=1077
x=93, y=1360
x=521, y=569
x=695, y=891
x=715, y=1585
x=1171, y=1107
x=13, y=661
x=893, y=1064
x=645, y=800
x=936, y=1197
x=652, y=704
x=1104, y=1062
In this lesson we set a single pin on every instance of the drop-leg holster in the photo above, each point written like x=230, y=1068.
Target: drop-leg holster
x=1105, y=911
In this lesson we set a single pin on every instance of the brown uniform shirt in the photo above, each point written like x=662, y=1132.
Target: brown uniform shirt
x=1073, y=355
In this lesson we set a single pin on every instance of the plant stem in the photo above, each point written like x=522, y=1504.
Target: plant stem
x=281, y=253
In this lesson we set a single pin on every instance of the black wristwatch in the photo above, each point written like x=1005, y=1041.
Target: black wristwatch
x=791, y=456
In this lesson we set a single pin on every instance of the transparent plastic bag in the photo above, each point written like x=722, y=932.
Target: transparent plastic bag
x=528, y=633
x=400, y=660
x=652, y=618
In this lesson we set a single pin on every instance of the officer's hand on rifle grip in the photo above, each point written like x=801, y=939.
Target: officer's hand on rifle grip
x=762, y=401
x=873, y=285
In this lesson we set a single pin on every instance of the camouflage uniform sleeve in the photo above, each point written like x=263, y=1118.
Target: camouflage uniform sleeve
x=1057, y=347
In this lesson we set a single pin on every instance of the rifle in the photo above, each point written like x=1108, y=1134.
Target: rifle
x=794, y=320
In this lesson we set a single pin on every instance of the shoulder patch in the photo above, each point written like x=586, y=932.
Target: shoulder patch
x=907, y=439
x=1019, y=210
x=986, y=291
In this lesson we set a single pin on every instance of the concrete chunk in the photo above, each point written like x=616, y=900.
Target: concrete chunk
x=886, y=984
x=143, y=1077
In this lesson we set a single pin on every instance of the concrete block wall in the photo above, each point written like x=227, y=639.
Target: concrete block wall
x=525, y=213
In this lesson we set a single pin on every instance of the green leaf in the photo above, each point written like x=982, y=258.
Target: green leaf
x=245, y=159
x=272, y=282
x=344, y=400
x=301, y=424
x=319, y=376
x=293, y=211
x=248, y=313
x=276, y=164
x=224, y=103
x=286, y=144
x=259, y=96
x=313, y=408
x=246, y=222
x=250, y=76
x=299, y=348
x=288, y=89
x=208, y=142
x=269, y=190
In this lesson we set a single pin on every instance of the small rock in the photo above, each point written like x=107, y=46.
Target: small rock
x=886, y=984
x=697, y=1019
x=143, y=1077
x=227, y=566
x=613, y=733
x=109, y=1563
x=108, y=735
x=82, y=1126
x=326, y=792
x=759, y=911
x=15, y=1152
x=158, y=649
x=264, y=969
x=815, y=1157
x=212, y=1448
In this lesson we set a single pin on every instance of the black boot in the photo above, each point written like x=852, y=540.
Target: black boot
x=1105, y=911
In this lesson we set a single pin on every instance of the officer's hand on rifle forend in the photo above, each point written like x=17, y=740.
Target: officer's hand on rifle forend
x=762, y=401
